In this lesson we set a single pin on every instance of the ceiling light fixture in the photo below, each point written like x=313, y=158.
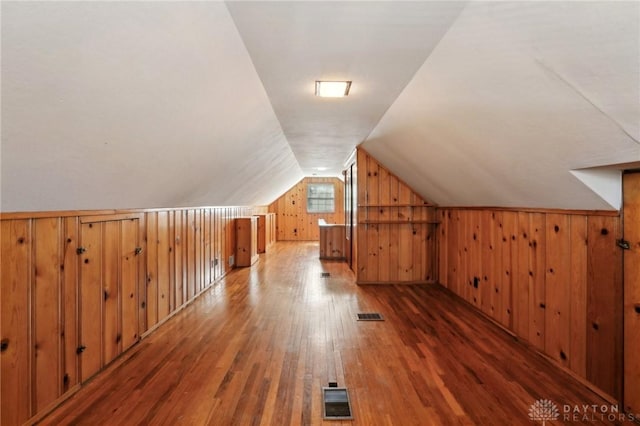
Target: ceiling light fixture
x=332, y=89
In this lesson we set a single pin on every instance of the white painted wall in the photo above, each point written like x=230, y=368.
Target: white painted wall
x=134, y=104
x=515, y=96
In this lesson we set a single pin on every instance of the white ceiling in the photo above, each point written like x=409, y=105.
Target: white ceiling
x=134, y=104
x=377, y=45
x=160, y=104
x=515, y=97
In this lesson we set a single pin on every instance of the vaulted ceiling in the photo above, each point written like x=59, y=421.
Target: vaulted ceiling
x=162, y=104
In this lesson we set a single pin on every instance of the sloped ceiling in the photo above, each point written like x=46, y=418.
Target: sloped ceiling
x=162, y=104
x=515, y=97
x=377, y=45
x=134, y=104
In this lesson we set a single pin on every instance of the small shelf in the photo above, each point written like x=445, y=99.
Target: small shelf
x=393, y=222
x=394, y=205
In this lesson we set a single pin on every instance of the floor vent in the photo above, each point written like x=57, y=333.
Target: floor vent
x=336, y=404
x=325, y=274
x=370, y=316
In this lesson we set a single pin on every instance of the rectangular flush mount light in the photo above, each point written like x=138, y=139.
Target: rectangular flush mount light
x=332, y=89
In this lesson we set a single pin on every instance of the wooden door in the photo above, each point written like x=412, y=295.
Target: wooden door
x=108, y=292
x=631, y=216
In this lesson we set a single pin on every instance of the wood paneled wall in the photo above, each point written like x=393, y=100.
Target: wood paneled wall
x=332, y=242
x=552, y=278
x=631, y=214
x=48, y=310
x=396, y=237
x=293, y=223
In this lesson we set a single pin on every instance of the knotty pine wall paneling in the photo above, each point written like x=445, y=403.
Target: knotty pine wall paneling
x=396, y=228
x=631, y=214
x=163, y=272
x=152, y=270
x=293, y=223
x=17, y=347
x=553, y=279
x=70, y=293
x=47, y=355
x=604, y=300
x=55, y=300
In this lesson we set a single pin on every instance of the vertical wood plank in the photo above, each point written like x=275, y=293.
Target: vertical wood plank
x=510, y=255
x=465, y=265
x=604, y=299
x=498, y=266
x=475, y=258
x=394, y=229
x=442, y=240
x=46, y=312
x=557, y=290
x=404, y=241
x=578, y=360
x=15, y=381
x=363, y=199
x=110, y=289
x=91, y=299
x=384, y=198
x=152, y=270
x=537, y=275
x=198, y=251
x=142, y=276
x=178, y=255
x=191, y=254
x=129, y=281
x=522, y=284
x=373, y=244
x=631, y=214
x=453, y=252
x=70, y=291
x=163, y=265
x=487, y=241
x=207, y=255
x=172, y=260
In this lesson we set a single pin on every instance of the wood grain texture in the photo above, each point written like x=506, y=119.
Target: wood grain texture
x=557, y=288
x=129, y=268
x=252, y=356
x=332, y=242
x=293, y=222
x=631, y=185
x=15, y=367
x=604, y=299
x=163, y=271
x=47, y=349
x=151, y=281
x=70, y=323
x=537, y=274
x=91, y=295
x=246, y=241
x=578, y=296
x=55, y=300
x=560, y=285
x=111, y=313
x=396, y=237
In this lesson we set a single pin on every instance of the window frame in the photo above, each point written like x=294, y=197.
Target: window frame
x=321, y=198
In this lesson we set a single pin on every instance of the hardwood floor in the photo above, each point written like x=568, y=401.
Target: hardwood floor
x=257, y=348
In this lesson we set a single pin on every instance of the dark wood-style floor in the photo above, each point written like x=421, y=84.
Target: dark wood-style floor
x=257, y=348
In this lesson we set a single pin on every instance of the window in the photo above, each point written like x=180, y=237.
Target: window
x=320, y=198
